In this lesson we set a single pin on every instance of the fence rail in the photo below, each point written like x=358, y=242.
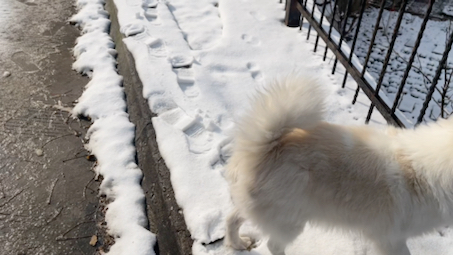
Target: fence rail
x=332, y=29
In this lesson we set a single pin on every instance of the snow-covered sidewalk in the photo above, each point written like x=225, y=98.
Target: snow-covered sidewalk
x=199, y=61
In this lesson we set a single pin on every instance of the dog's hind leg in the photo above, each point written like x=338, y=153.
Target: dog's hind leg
x=280, y=238
x=276, y=247
x=232, y=238
x=393, y=248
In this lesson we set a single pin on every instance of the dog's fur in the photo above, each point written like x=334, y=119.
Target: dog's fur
x=289, y=167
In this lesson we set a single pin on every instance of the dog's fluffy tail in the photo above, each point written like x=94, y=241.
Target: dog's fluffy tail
x=294, y=102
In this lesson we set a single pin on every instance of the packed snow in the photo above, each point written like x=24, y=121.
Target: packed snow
x=199, y=62
x=111, y=135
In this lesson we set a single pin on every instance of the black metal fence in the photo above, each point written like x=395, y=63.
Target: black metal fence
x=339, y=24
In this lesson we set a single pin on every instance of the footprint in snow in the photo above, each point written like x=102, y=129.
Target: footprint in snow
x=149, y=3
x=132, y=29
x=257, y=16
x=156, y=47
x=150, y=11
x=255, y=71
x=150, y=14
x=159, y=102
x=220, y=156
x=250, y=39
x=341, y=92
x=198, y=138
x=197, y=130
x=186, y=81
x=181, y=60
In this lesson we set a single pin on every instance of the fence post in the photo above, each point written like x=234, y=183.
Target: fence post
x=292, y=16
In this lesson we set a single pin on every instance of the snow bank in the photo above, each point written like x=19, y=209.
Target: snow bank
x=111, y=135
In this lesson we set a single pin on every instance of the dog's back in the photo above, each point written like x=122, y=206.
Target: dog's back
x=282, y=142
x=329, y=175
x=289, y=167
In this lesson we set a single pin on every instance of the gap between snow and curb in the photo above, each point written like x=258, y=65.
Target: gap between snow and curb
x=165, y=216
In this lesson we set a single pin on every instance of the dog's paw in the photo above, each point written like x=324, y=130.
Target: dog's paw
x=244, y=243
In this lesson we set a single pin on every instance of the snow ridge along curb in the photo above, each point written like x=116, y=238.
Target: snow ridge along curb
x=165, y=216
x=111, y=136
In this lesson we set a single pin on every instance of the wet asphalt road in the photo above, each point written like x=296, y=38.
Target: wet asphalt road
x=48, y=198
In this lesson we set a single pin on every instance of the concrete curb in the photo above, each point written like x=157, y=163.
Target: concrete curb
x=163, y=212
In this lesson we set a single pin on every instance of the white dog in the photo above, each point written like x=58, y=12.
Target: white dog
x=289, y=167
